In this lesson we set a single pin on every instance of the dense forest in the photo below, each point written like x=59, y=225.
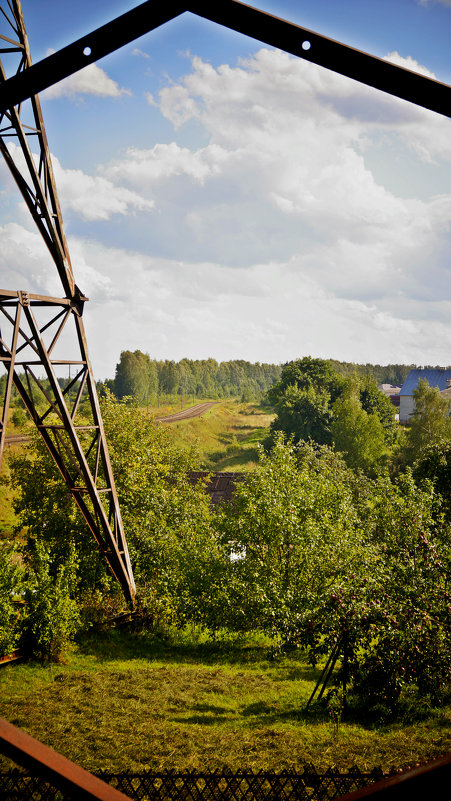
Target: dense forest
x=149, y=381
x=146, y=379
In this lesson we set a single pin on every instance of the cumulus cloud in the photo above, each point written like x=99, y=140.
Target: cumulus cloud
x=275, y=310
x=273, y=237
x=91, y=80
x=95, y=197
x=285, y=166
x=89, y=197
x=144, y=168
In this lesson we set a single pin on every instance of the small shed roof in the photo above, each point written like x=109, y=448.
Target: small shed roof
x=435, y=378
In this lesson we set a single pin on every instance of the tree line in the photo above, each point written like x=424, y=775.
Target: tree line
x=146, y=379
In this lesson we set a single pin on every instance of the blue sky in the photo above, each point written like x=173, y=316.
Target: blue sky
x=224, y=199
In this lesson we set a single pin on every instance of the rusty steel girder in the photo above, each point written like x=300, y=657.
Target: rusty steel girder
x=302, y=42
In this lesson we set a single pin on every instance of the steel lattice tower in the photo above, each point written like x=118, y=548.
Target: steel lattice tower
x=43, y=335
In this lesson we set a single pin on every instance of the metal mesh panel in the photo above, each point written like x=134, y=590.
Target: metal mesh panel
x=305, y=785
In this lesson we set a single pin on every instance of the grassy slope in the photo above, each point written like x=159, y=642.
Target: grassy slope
x=227, y=436
x=123, y=703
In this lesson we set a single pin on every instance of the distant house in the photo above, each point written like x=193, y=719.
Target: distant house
x=439, y=377
x=390, y=391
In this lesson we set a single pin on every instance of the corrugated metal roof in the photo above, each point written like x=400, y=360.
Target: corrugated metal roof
x=435, y=378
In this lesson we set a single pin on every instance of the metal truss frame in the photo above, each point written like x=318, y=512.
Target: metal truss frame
x=252, y=22
x=79, y=449
x=28, y=345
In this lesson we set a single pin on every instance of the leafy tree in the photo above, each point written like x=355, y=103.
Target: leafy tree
x=392, y=618
x=434, y=464
x=375, y=402
x=357, y=434
x=293, y=525
x=408, y=637
x=136, y=376
x=11, y=584
x=430, y=421
x=52, y=617
x=304, y=414
x=304, y=374
x=50, y=517
x=168, y=523
x=312, y=401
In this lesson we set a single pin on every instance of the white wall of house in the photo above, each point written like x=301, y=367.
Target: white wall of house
x=406, y=408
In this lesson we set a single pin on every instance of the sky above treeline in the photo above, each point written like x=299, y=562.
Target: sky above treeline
x=222, y=198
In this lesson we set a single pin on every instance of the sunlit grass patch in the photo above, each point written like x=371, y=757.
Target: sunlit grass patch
x=126, y=702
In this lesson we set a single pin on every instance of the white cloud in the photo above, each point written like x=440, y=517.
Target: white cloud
x=95, y=197
x=137, y=52
x=274, y=310
x=144, y=168
x=25, y=262
x=272, y=238
x=89, y=197
x=409, y=63
x=285, y=167
x=91, y=80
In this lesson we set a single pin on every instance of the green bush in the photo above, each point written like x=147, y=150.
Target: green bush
x=10, y=586
x=52, y=617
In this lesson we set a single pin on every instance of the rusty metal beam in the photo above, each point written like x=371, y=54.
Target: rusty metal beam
x=427, y=781
x=59, y=771
x=97, y=44
x=69, y=440
x=242, y=18
x=327, y=53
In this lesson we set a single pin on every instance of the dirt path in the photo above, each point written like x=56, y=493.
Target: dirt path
x=187, y=414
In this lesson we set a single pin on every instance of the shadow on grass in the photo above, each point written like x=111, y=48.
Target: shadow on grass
x=120, y=645
x=244, y=456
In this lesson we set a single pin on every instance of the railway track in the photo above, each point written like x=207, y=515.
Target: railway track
x=13, y=439
x=187, y=414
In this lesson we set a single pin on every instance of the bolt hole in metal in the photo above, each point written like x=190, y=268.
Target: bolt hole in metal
x=87, y=51
x=306, y=45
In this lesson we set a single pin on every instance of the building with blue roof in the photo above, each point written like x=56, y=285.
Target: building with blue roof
x=439, y=377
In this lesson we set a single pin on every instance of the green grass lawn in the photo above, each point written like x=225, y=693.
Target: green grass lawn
x=125, y=702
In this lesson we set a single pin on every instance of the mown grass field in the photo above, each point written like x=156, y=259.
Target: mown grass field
x=124, y=702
